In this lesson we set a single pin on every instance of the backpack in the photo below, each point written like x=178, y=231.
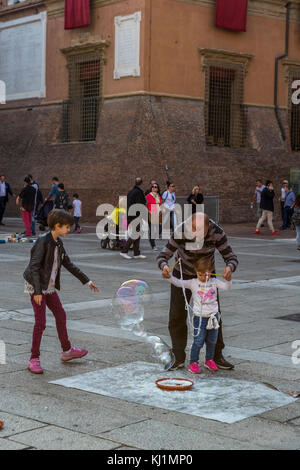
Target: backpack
x=62, y=201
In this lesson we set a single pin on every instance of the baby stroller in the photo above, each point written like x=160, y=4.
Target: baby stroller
x=112, y=238
x=42, y=215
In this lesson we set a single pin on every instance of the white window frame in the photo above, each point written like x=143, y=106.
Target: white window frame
x=135, y=70
x=41, y=93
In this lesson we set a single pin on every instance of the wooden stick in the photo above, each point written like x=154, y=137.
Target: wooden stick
x=174, y=265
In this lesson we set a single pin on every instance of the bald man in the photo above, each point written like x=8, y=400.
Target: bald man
x=195, y=238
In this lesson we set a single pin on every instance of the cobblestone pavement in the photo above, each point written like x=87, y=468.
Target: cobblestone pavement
x=40, y=415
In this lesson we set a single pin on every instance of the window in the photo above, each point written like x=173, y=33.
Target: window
x=224, y=109
x=81, y=111
x=294, y=118
x=293, y=75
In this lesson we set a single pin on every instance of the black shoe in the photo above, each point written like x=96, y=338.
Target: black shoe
x=177, y=365
x=223, y=364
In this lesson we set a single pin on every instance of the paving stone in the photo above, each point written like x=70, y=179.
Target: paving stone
x=55, y=438
x=15, y=424
x=6, y=444
x=155, y=435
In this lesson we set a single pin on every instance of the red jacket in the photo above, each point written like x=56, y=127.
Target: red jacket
x=152, y=202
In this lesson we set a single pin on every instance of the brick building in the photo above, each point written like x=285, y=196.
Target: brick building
x=150, y=83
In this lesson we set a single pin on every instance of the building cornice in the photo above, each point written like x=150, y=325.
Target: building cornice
x=56, y=8
x=266, y=8
x=18, y=7
x=86, y=43
x=291, y=66
x=209, y=55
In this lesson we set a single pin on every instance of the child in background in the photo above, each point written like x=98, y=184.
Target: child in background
x=42, y=278
x=206, y=311
x=77, y=205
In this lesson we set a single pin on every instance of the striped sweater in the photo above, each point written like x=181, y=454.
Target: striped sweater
x=215, y=239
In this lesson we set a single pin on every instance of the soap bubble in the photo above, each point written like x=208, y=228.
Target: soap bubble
x=129, y=305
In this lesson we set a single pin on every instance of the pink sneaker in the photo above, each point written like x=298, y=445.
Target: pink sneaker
x=211, y=365
x=74, y=353
x=194, y=368
x=34, y=366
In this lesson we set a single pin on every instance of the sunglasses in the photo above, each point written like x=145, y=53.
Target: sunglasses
x=154, y=186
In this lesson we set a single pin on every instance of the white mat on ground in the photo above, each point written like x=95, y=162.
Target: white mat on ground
x=219, y=398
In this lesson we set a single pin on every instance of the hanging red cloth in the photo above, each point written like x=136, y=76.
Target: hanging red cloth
x=232, y=14
x=77, y=14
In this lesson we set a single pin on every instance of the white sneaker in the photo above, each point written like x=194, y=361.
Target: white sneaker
x=125, y=255
x=140, y=257
x=155, y=248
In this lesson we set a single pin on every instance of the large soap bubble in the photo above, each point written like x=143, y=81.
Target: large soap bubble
x=129, y=306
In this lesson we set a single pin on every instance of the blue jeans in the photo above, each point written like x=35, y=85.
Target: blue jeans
x=33, y=223
x=205, y=336
x=298, y=235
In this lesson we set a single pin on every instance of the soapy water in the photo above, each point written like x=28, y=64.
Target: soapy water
x=128, y=306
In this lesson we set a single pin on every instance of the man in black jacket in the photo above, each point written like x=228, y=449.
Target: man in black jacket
x=267, y=206
x=5, y=190
x=135, y=196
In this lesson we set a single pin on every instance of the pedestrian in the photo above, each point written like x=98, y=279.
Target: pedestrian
x=37, y=201
x=204, y=290
x=42, y=278
x=282, y=197
x=267, y=206
x=5, y=190
x=214, y=237
x=169, y=201
x=135, y=196
x=257, y=197
x=152, y=182
x=288, y=207
x=296, y=219
x=77, y=212
x=54, y=189
x=26, y=200
x=195, y=198
x=154, y=202
x=62, y=200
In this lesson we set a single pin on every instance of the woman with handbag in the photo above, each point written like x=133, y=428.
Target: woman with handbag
x=154, y=202
x=296, y=219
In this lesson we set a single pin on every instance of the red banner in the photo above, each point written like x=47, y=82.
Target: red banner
x=77, y=14
x=232, y=14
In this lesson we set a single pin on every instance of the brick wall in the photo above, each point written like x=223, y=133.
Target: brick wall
x=137, y=136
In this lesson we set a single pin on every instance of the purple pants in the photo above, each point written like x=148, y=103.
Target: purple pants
x=54, y=304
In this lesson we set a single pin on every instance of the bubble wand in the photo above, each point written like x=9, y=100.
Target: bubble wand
x=171, y=269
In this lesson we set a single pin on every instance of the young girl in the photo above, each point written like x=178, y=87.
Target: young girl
x=77, y=206
x=206, y=311
x=42, y=277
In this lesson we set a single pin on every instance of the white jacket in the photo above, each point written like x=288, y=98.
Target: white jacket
x=205, y=294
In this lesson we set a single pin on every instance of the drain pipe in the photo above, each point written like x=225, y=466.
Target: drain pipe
x=277, y=59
